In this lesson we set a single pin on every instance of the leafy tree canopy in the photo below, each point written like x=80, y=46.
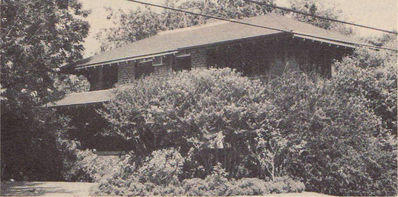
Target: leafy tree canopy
x=314, y=7
x=37, y=36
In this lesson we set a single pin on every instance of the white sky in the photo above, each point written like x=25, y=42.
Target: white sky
x=376, y=13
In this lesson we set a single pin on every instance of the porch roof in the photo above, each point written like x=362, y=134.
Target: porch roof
x=213, y=33
x=81, y=98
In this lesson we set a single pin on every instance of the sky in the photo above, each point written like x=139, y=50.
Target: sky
x=376, y=13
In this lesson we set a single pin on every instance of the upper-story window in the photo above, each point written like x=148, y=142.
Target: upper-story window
x=109, y=77
x=157, y=61
x=144, y=68
x=183, y=62
x=102, y=77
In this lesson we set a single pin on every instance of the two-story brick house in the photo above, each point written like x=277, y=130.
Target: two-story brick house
x=254, y=51
x=251, y=50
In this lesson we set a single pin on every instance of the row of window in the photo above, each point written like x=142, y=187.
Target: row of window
x=160, y=64
x=108, y=76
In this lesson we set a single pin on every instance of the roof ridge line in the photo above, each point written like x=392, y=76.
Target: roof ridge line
x=193, y=27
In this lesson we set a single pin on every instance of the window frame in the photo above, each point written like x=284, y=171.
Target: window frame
x=154, y=63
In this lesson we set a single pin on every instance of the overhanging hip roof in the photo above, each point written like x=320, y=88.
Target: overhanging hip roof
x=219, y=32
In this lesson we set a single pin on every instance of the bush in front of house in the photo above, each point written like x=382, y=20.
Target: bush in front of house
x=146, y=180
x=217, y=184
x=210, y=115
x=347, y=151
x=84, y=165
x=372, y=75
x=139, y=176
x=303, y=127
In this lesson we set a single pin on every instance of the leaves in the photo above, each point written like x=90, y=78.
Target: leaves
x=317, y=8
x=36, y=38
x=337, y=122
x=322, y=131
x=212, y=112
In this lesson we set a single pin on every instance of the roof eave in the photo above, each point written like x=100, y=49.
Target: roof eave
x=132, y=58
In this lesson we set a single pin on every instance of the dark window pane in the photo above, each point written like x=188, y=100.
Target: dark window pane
x=144, y=69
x=182, y=63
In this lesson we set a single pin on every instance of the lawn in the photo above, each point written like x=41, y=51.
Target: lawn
x=20, y=188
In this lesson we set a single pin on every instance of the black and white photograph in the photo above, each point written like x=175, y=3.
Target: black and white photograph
x=198, y=98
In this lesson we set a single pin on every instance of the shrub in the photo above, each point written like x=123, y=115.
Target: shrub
x=84, y=165
x=210, y=115
x=347, y=151
x=373, y=76
x=136, y=183
x=216, y=185
x=255, y=186
x=312, y=129
x=370, y=76
x=155, y=174
x=162, y=168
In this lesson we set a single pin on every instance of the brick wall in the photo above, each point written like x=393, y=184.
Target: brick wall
x=199, y=58
x=125, y=73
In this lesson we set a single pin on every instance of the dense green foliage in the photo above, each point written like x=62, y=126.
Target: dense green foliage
x=334, y=135
x=210, y=115
x=158, y=175
x=84, y=165
x=372, y=76
x=36, y=38
x=314, y=7
x=347, y=150
x=348, y=124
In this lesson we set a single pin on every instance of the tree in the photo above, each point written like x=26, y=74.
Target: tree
x=372, y=74
x=130, y=27
x=314, y=7
x=36, y=38
x=346, y=149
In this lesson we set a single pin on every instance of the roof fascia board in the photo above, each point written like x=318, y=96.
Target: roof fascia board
x=116, y=61
x=330, y=43
x=327, y=40
x=75, y=104
x=271, y=36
